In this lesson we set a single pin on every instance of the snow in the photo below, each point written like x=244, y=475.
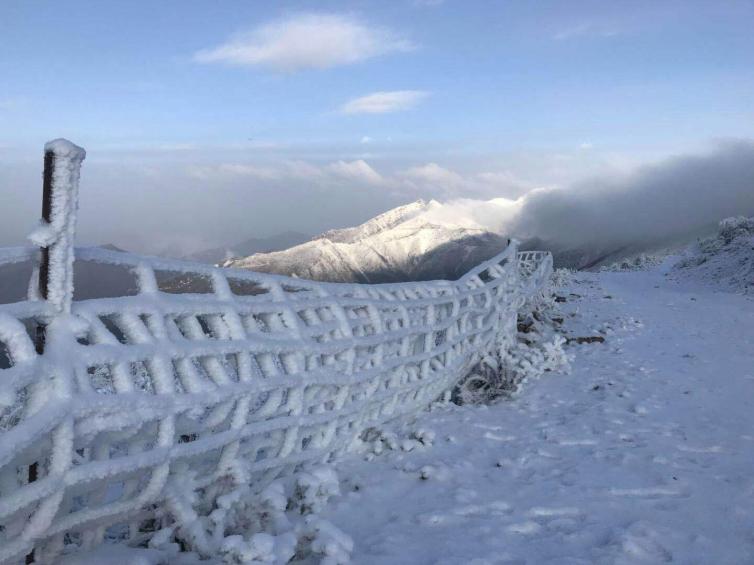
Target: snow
x=640, y=262
x=643, y=454
x=64, y=149
x=116, y=554
x=58, y=234
x=275, y=526
x=397, y=244
x=724, y=261
x=149, y=408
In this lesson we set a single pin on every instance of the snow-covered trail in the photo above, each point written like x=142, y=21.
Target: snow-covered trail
x=643, y=454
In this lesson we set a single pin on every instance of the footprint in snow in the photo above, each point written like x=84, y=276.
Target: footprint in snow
x=553, y=512
x=577, y=442
x=438, y=519
x=641, y=543
x=462, y=513
x=497, y=437
x=646, y=492
x=711, y=449
x=497, y=508
x=639, y=409
x=526, y=528
x=488, y=427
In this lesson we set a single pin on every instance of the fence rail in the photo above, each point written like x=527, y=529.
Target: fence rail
x=193, y=378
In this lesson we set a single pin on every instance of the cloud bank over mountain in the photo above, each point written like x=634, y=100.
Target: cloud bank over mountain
x=197, y=200
x=652, y=205
x=592, y=223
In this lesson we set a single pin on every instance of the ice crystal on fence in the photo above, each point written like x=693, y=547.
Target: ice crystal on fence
x=537, y=348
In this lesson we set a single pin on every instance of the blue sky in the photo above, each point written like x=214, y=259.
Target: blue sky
x=239, y=109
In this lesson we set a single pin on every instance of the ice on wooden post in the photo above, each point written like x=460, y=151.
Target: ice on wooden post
x=55, y=235
x=56, y=231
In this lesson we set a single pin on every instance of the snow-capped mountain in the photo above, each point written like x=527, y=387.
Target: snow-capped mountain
x=424, y=240
x=418, y=241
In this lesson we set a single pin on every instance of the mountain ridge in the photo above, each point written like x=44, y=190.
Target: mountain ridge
x=405, y=243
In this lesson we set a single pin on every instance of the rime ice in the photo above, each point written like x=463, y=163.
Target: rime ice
x=164, y=419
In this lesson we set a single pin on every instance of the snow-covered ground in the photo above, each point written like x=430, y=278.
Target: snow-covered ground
x=644, y=453
x=724, y=261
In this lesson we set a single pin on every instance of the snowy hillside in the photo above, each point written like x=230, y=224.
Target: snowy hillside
x=419, y=241
x=725, y=261
x=640, y=454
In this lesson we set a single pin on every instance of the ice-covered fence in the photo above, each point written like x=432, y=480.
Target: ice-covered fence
x=534, y=270
x=144, y=407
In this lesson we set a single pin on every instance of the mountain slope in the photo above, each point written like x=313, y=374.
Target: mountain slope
x=407, y=243
x=725, y=261
x=427, y=240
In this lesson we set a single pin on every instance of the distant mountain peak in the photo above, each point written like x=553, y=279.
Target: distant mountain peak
x=405, y=243
x=379, y=223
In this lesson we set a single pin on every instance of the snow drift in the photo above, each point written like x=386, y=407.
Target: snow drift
x=725, y=260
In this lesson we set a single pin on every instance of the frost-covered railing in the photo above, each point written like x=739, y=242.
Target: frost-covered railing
x=534, y=270
x=135, y=412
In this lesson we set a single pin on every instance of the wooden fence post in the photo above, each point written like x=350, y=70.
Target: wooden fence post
x=55, y=237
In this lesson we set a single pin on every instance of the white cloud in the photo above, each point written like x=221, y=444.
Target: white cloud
x=302, y=170
x=366, y=139
x=502, y=183
x=384, y=102
x=429, y=179
x=337, y=172
x=306, y=41
x=226, y=170
x=434, y=174
x=586, y=145
x=433, y=180
x=356, y=170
